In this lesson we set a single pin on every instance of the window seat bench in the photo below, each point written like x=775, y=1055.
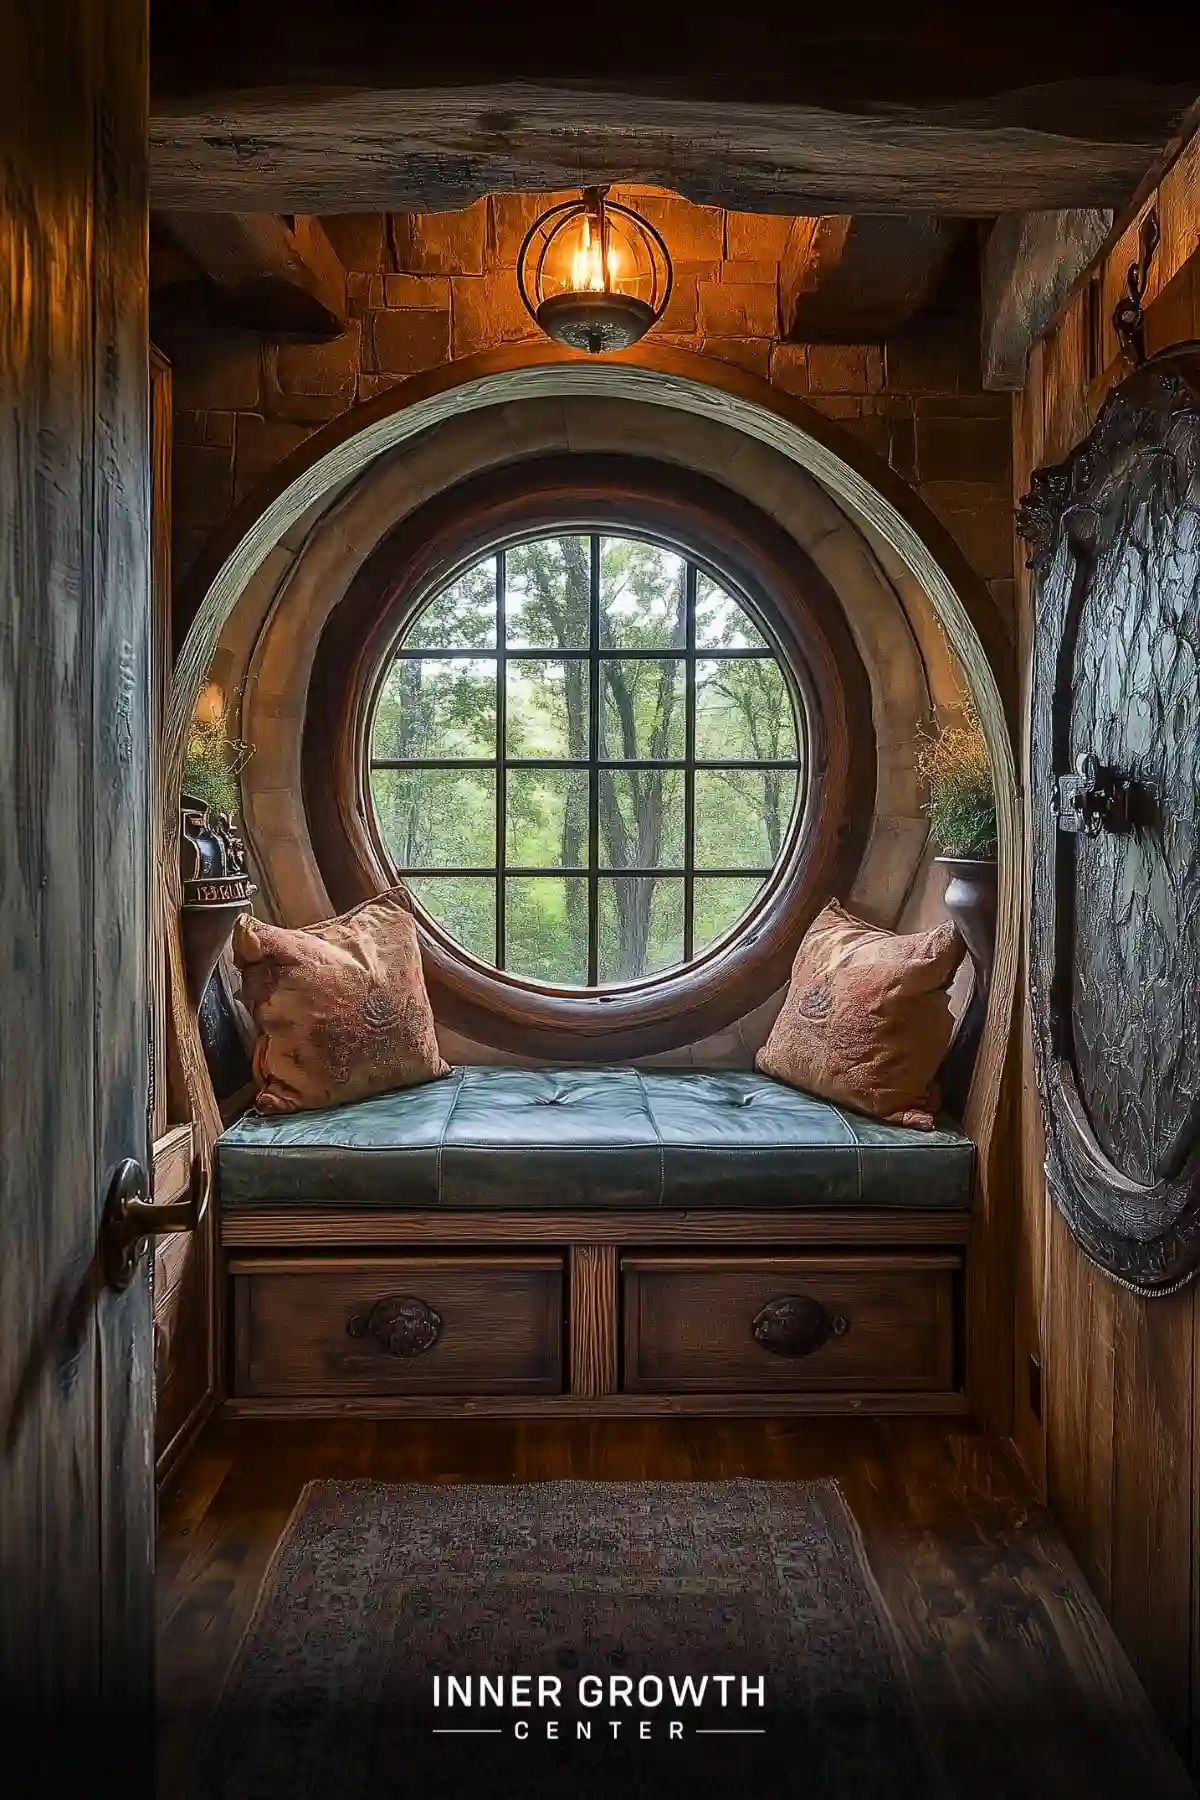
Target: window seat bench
x=593, y=1240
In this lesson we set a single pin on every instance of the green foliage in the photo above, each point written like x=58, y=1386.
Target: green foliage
x=446, y=708
x=953, y=764
x=214, y=758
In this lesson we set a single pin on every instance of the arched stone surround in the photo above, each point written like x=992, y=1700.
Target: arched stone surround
x=267, y=646
x=865, y=528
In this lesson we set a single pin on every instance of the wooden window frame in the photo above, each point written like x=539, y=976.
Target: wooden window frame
x=804, y=622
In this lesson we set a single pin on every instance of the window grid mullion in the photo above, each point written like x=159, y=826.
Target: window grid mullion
x=501, y=751
x=593, y=872
x=689, y=771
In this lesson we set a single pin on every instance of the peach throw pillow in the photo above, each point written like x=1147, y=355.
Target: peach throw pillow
x=867, y=1017
x=340, y=1008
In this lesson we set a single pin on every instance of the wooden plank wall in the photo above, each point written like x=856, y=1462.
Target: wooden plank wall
x=1121, y=1394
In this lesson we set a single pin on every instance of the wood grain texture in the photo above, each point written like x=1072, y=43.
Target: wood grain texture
x=1025, y=1680
x=294, y=109
x=350, y=1230
x=864, y=1404
x=299, y=1326
x=76, y=1502
x=592, y=1318
x=689, y=1323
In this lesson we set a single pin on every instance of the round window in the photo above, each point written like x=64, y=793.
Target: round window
x=586, y=758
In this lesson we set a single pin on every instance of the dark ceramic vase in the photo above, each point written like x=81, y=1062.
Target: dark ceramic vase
x=970, y=900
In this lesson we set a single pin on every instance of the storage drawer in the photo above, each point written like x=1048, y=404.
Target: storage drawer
x=753, y=1324
x=397, y=1325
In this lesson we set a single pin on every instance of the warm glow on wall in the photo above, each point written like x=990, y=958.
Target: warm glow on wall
x=594, y=274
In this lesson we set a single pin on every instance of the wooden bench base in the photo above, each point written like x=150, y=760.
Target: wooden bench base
x=486, y=1315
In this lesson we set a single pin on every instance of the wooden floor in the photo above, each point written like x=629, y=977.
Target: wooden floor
x=1033, y=1698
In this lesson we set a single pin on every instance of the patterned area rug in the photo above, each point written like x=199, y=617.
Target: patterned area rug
x=673, y=1638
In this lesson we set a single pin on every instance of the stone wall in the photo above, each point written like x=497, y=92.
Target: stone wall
x=428, y=289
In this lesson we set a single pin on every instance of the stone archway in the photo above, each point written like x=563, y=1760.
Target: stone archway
x=909, y=541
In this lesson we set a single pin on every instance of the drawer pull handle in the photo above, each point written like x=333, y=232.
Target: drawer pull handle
x=399, y=1326
x=796, y=1325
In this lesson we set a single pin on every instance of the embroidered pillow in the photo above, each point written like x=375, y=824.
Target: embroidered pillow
x=867, y=1017
x=340, y=1008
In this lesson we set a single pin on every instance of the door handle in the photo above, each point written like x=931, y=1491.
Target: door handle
x=132, y=1217
x=1095, y=798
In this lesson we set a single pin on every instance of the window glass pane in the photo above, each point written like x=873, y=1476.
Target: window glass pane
x=721, y=621
x=743, y=711
x=462, y=616
x=548, y=708
x=643, y=594
x=742, y=816
x=547, y=818
x=642, y=709
x=464, y=906
x=436, y=708
x=546, y=928
x=641, y=925
x=548, y=594
x=641, y=818
x=718, y=902
x=432, y=818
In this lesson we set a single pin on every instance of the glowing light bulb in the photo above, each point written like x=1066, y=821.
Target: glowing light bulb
x=587, y=264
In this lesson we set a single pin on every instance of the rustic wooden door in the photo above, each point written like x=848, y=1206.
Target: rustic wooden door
x=76, y=1494
x=1115, y=803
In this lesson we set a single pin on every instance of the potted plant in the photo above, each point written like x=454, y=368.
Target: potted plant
x=960, y=804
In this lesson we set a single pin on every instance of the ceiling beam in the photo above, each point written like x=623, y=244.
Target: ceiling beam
x=306, y=107
x=1030, y=263
x=277, y=275
x=854, y=279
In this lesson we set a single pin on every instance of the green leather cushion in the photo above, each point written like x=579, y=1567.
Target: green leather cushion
x=563, y=1139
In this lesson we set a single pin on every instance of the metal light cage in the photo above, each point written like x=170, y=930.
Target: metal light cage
x=625, y=259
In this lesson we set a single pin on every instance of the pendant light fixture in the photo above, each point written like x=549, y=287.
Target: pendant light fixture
x=594, y=274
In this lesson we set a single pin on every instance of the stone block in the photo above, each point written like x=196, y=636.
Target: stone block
x=188, y=426
x=371, y=386
x=486, y=311
x=409, y=340
x=980, y=520
x=756, y=237
x=692, y=233
x=968, y=449
x=443, y=243
x=837, y=406
x=201, y=486
x=682, y=314
x=216, y=369
x=755, y=274
x=326, y=369
x=509, y=218
x=738, y=309
x=218, y=429
x=938, y=354
x=261, y=445
x=358, y=239
x=789, y=368
x=428, y=293
x=845, y=368
x=749, y=353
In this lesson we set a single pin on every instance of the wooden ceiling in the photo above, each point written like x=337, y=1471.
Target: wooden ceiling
x=295, y=106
